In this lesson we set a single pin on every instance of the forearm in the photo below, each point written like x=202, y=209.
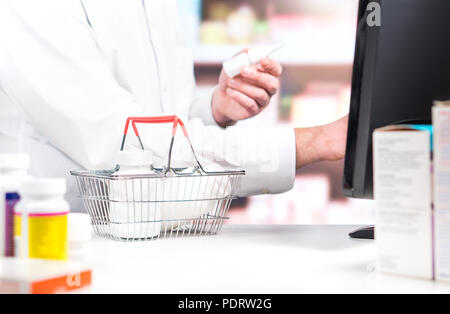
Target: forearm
x=307, y=146
x=322, y=143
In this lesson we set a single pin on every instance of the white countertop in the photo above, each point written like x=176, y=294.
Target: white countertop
x=247, y=259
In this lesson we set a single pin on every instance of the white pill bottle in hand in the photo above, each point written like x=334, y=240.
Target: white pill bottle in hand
x=132, y=215
x=234, y=66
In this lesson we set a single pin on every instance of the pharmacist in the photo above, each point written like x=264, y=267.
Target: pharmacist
x=75, y=69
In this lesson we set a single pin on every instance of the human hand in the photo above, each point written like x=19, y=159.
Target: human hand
x=247, y=94
x=323, y=143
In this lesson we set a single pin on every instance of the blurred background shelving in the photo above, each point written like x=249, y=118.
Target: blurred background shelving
x=317, y=58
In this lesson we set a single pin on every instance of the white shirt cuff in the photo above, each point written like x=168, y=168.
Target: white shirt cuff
x=201, y=107
x=273, y=170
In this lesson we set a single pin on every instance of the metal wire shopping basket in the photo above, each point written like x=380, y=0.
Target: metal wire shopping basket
x=167, y=202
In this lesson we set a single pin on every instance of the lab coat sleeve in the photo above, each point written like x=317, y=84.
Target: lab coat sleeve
x=201, y=106
x=267, y=154
x=52, y=67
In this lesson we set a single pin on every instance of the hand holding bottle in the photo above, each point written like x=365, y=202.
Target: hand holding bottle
x=245, y=95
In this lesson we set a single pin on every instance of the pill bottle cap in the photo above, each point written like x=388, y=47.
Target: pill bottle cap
x=43, y=186
x=135, y=158
x=14, y=161
x=79, y=227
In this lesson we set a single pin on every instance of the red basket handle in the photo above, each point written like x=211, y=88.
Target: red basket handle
x=167, y=119
x=162, y=119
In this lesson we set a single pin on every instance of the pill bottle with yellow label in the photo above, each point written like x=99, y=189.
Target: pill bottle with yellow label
x=40, y=219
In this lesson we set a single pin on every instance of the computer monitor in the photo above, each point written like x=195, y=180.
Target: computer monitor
x=400, y=68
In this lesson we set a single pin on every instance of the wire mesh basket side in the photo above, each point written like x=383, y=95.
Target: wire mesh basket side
x=132, y=209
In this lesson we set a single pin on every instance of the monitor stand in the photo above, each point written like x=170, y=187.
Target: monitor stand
x=363, y=233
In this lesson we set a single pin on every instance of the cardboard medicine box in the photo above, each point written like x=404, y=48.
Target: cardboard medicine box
x=441, y=124
x=403, y=200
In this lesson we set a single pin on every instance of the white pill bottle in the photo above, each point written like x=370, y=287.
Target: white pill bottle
x=234, y=66
x=132, y=214
x=41, y=216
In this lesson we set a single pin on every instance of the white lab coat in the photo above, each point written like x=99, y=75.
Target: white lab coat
x=75, y=69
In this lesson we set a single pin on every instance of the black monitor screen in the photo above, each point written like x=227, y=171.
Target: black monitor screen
x=401, y=66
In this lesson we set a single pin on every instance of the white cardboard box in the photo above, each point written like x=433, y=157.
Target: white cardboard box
x=402, y=190
x=35, y=276
x=441, y=124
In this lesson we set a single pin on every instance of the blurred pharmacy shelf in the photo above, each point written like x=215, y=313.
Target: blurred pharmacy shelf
x=311, y=202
